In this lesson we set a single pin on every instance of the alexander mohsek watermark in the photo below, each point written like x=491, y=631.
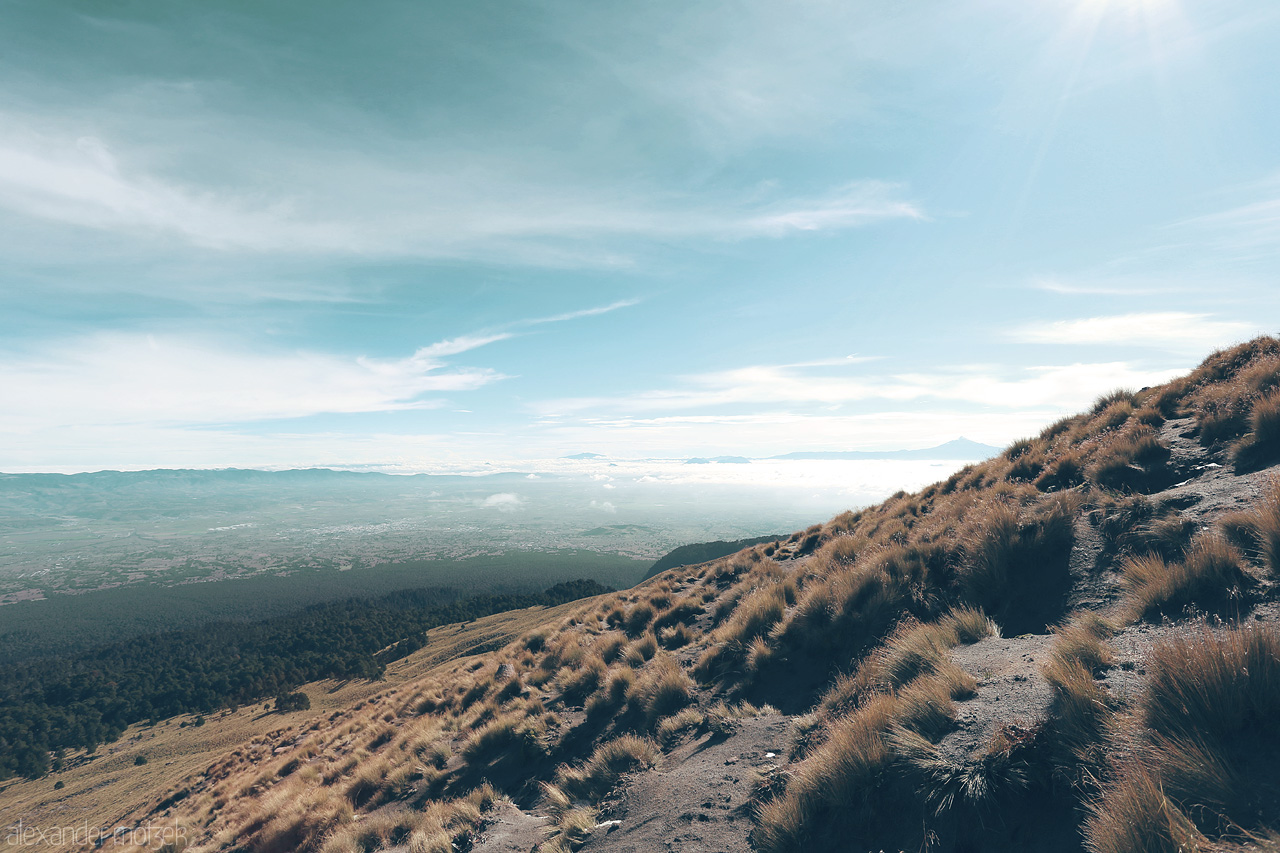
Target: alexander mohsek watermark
x=152, y=836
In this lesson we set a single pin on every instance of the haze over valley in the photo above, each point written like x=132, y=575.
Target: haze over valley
x=79, y=533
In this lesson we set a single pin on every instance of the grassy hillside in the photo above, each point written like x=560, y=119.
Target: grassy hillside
x=1072, y=646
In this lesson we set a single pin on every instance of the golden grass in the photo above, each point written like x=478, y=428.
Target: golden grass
x=1017, y=558
x=661, y=689
x=912, y=650
x=671, y=729
x=1205, y=771
x=1209, y=577
x=1214, y=686
x=1257, y=530
x=1135, y=815
x=1082, y=640
x=598, y=775
x=577, y=684
x=753, y=616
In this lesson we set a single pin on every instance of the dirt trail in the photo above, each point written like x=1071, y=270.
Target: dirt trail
x=510, y=830
x=696, y=800
x=1011, y=691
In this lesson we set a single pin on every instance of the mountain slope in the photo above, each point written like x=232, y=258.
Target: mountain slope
x=702, y=552
x=1074, y=645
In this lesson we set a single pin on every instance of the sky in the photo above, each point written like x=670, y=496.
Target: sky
x=405, y=235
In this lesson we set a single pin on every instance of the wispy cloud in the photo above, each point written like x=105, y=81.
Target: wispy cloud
x=849, y=207
x=1173, y=330
x=1105, y=285
x=1254, y=225
x=155, y=381
x=430, y=209
x=79, y=182
x=765, y=387
x=578, y=315
x=455, y=346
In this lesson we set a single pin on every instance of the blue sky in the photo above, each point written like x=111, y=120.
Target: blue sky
x=408, y=233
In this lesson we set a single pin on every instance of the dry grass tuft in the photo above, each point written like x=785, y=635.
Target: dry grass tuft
x=638, y=618
x=1082, y=641
x=1261, y=446
x=1135, y=815
x=1214, y=687
x=753, y=617
x=847, y=793
x=507, y=738
x=671, y=729
x=662, y=689
x=1130, y=462
x=576, y=685
x=1207, y=770
x=1017, y=565
x=597, y=776
x=914, y=649
x=641, y=651
x=1210, y=577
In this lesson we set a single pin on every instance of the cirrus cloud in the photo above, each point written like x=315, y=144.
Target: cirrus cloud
x=159, y=380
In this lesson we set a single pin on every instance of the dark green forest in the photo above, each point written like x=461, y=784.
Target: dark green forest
x=67, y=624
x=88, y=698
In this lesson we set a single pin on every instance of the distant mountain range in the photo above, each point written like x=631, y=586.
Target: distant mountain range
x=961, y=449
